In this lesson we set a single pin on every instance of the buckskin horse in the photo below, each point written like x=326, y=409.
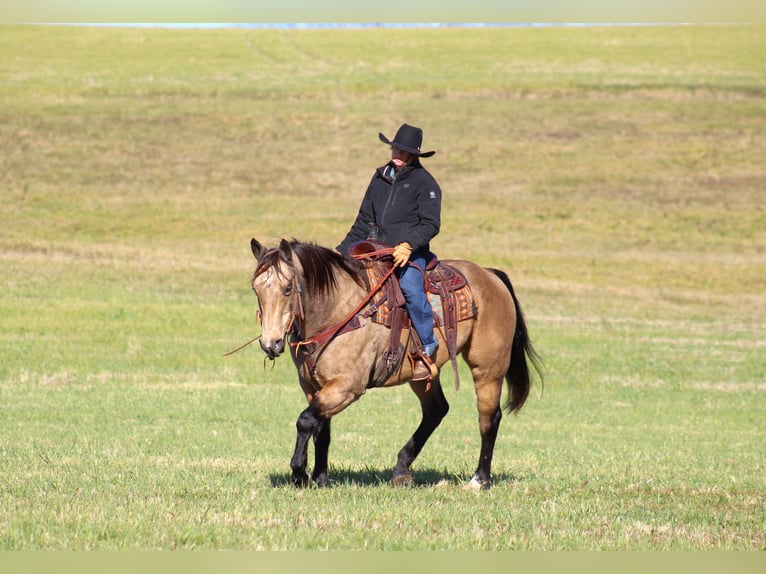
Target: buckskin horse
x=317, y=303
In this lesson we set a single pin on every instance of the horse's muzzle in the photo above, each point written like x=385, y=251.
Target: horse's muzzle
x=273, y=348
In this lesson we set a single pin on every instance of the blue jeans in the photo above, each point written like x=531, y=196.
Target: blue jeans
x=418, y=305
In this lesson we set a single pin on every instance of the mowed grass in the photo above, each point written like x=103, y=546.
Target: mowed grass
x=616, y=174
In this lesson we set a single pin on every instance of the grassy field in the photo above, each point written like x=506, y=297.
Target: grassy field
x=616, y=174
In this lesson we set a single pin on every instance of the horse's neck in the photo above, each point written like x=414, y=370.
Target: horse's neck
x=320, y=313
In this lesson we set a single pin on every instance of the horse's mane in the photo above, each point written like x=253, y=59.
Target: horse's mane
x=319, y=264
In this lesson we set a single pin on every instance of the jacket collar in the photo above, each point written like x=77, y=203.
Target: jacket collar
x=385, y=171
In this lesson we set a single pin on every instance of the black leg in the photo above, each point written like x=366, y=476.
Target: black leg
x=435, y=407
x=321, y=449
x=488, y=437
x=308, y=423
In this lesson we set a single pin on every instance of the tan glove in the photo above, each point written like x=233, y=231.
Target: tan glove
x=402, y=254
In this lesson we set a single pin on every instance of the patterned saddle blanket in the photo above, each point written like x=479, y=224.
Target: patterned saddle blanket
x=441, y=279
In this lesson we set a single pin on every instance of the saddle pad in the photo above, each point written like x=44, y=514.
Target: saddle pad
x=466, y=309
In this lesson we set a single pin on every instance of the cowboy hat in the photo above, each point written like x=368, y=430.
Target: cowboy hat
x=408, y=138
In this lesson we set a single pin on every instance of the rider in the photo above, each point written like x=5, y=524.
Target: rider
x=403, y=201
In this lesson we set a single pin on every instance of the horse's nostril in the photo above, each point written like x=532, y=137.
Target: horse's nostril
x=273, y=348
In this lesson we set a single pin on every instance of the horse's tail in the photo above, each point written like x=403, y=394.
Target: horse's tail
x=518, y=371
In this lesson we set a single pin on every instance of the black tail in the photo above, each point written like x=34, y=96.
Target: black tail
x=518, y=371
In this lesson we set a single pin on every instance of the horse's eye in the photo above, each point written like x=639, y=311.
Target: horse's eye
x=288, y=289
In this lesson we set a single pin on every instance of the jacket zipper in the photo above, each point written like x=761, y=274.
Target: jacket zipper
x=388, y=201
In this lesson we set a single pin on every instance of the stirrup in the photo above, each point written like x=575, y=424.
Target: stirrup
x=424, y=369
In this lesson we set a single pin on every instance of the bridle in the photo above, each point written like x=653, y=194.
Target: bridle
x=296, y=305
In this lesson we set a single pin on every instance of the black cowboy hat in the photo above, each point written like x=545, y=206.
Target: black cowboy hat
x=408, y=138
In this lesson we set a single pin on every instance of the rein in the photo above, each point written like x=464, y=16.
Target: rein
x=324, y=336
x=259, y=315
x=250, y=342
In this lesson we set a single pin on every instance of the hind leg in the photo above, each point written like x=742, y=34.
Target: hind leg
x=488, y=403
x=488, y=355
x=488, y=427
x=434, y=407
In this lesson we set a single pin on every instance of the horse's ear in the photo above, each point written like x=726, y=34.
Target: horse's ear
x=256, y=248
x=285, y=251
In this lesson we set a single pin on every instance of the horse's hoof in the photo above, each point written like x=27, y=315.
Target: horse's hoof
x=320, y=481
x=301, y=480
x=475, y=485
x=402, y=480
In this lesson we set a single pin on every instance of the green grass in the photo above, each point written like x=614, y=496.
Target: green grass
x=615, y=173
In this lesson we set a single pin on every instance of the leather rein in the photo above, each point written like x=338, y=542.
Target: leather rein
x=326, y=335
x=323, y=337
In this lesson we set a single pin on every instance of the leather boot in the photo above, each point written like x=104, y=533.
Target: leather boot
x=424, y=368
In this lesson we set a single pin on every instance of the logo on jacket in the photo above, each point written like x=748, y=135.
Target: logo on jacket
x=432, y=195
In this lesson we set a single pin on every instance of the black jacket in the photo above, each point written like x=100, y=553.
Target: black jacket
x=405, y=207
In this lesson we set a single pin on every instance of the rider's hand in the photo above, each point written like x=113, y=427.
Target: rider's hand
x=402, y=254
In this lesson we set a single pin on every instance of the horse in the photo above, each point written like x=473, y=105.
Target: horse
x=303, y=289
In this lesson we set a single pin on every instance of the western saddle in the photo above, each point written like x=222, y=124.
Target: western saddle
x=448, y=292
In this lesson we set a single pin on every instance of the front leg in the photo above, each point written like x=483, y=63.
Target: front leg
x=321, y=450
x=334, y=396
x=308, y=425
